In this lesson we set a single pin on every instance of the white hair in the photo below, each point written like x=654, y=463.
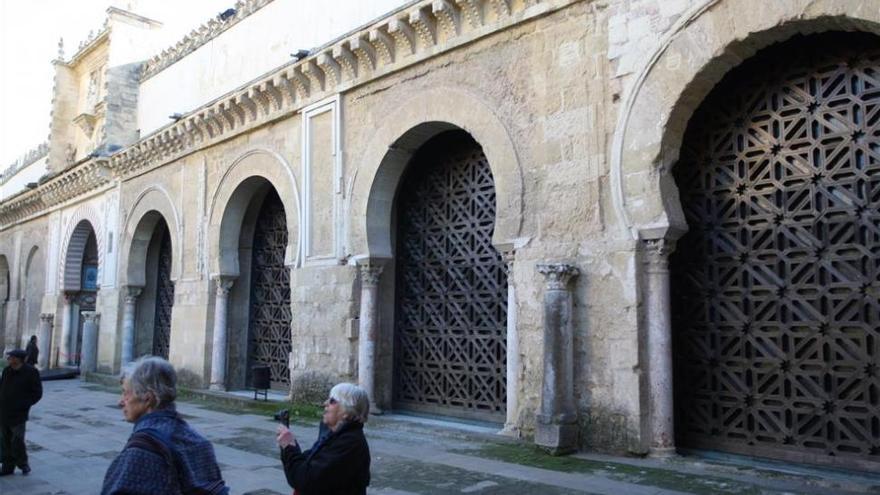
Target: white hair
x=353, y=400
x=152, y=380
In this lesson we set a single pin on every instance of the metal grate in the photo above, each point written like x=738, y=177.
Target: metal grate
x=451, y=304
x=269, y=336
x=776, y=312
x=164, y=299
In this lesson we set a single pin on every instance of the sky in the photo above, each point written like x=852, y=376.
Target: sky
x=29, y=34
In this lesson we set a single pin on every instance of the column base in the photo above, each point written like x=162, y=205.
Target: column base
x=511, y=431
x=559, y=439
x=661, y=452
x=217, y=387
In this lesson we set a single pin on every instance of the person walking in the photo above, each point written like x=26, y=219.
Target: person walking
x=339, y=461
x=163, y=455
x=20, y=389
x=33, y=352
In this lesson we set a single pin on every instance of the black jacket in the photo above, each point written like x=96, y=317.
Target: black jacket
x=337, y=464
x=33, y=353
x=19, y=390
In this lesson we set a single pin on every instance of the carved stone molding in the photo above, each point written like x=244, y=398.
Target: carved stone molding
x=47, y=317
x=558, y=275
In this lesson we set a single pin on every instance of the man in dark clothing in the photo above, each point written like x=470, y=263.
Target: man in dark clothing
x=20, y=388
x=33, y=352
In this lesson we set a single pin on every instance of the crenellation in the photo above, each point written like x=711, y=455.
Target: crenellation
x=199, y=37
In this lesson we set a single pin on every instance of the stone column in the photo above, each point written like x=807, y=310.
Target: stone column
x=128, y=323
x=218, y=353
x=513, y=363
x=557, y=428
x=65, y=356
x=659, y=347
x=89, y=361
x=45, y=339
x=368, y=328
x=3, y=348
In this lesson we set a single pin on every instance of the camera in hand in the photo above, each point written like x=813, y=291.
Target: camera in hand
x=283, y=416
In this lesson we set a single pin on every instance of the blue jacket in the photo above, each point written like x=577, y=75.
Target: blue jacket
x=138, y=471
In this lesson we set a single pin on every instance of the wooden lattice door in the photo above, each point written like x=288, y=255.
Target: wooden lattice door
x=269, y=335
x=776, y=285
x=164, y=299
x=451, y=289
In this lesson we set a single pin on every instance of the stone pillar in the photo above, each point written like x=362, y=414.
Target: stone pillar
x=45, y=340
x=557, y=428
x=513, y=363
x=89, y=361
x=3, y=327
x=218, y=353
x=65, y=356
x=368, y=328
x=128, y=323
x=659, y=347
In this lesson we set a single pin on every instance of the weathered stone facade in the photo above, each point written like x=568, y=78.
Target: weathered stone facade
x=580, y=108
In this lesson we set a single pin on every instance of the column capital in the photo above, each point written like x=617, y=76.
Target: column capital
x=370, y=272
x=224, y=283
x=69, y=296
x=558, y=275
x=47, y=317
x=132, y=292
x=657, y=253
x=91, y=315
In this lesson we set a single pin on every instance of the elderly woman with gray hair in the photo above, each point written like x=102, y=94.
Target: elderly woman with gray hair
x=339, y=461
x=163, y=455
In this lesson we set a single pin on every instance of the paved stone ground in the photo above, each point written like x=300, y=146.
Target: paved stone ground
x=77, y=430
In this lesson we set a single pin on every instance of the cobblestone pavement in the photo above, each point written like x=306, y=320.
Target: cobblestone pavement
x=77, y=430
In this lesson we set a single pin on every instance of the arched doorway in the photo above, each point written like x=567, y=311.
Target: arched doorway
x=156, y=302
x=32, y=290
x=269, y=311
x=254, y=243
x=776, y=319
x=451, y=285
x=85, y=298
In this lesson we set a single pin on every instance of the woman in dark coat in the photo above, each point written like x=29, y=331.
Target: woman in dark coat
x=339, y=461
x=32, y=351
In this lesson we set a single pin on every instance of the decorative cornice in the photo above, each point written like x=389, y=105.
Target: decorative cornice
x=401, y=39
x=27, y=159
x=78, y=180
x=199, y=36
